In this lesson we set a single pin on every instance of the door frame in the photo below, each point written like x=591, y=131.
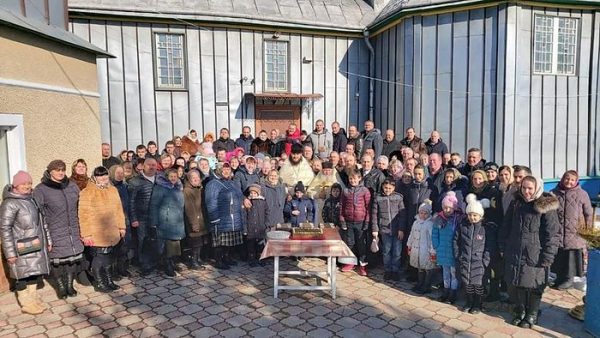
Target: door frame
x=296, y=111
x=15, y=141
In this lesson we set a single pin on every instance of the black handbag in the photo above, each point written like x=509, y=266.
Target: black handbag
x=29, y=245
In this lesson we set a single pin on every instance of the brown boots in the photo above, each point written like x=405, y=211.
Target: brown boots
x=29, y=300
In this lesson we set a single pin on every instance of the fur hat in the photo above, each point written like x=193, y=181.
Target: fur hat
x=56, y=165
x=425, y=206
x=450, y=200
x=21, y=177
x=299, y=187
x=476, y=206
x=255, y=188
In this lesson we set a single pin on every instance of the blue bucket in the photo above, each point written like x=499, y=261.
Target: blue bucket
x=592, y=298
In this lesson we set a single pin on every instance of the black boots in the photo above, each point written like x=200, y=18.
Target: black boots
x=122, y=267
x=70, y=278
x=219, y=259
x=533, y=309
x=445, y=295
x=420, y=281
x=100, y=282
x=477, y=306
x=169, y=267
x=469, y=304
x=494, y=291
x=108, y=277
x=518, y=315
x=452, y=297
x=425, y=282
x=61, y=287
x=195, y=259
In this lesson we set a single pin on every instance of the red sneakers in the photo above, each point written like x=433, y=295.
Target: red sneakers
x=362, y=270
x=347, y=267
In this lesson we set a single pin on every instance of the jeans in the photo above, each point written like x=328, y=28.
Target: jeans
x=391, y=251
x=450, y=281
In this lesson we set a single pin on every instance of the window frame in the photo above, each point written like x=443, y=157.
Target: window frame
x=288, y=68
x=555, y=43
x=157, y=85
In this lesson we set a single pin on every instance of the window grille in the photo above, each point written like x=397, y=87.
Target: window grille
x=170, y=69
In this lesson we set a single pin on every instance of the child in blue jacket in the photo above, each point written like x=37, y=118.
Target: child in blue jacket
x=445, y=224
x=299, y=208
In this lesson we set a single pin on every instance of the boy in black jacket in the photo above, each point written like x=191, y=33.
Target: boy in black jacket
x=255, y=223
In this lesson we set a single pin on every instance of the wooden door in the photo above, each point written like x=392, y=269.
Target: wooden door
x=276, y=117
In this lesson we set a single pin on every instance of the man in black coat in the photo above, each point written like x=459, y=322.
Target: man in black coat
x=107, y=159
x=339, y=137
x=474, y=162
x=140, y=192
x=224, y=142
x=390, y=143
x=372, y=178
x=436, y=145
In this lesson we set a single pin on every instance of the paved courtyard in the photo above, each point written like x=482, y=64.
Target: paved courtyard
x=239, y=302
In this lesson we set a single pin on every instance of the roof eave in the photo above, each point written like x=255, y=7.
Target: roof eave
x=377, y=26
x=207, y=19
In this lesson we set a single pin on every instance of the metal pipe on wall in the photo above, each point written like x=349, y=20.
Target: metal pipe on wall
x=371, y=72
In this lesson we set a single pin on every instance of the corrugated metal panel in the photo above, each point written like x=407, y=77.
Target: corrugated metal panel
x=443, y=109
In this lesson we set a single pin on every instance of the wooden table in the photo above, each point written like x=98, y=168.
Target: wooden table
x=331, y=246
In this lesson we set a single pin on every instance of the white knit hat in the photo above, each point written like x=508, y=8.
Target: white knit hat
x=426, y=206
x=476, y=206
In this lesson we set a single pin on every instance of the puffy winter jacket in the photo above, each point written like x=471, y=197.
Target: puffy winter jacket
x=275, y=196
x=472, y=252
x=495, y=212
x=388, y=213
x=390, y=146
x=58, y=202
x=21, y=219
x=458, y=191
x=221, y=143
x=575, y=211
x=420, y=243
x=167, y=209
x=224, y=206
x=372, y=140
x=124, y=196
x=530, y=239
x=331, y=210
x=358, y=144
x=305, y=205
x=356, y=202
x=244, y=179
x=140, y=191
x=323, y=139
x=442, y=237
x=255, y=224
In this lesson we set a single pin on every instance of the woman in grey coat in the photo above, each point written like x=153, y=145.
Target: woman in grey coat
x=575, y=212
x=58, y=199
x=25, y=241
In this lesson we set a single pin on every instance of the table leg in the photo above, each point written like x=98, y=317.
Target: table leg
x=275, y=276
x=333, y=277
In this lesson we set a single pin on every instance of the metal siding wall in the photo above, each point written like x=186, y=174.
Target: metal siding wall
x=417, y=77
x=307, y=79
x=475, y=81
x=594, y=117
x=341, y=81
x=363, y=84
x=408, y=72
x=329, y=101
x=391, y=71
x=97, y=36
x=318, y=79
x=383, y=74
x=234, y=82
x=194, y=72
x=460, y=67
x=489, y=81
x=207, y=65
x=180, y=114
x=378, y=85
x=429, y=75
x=588, y=32
x=146, y=65
x=499, y=134
x=221, y=83
x=562, y=116
x=443, y=112
x=522, y=89
x=353, y=82
x=509, y=87
x=399, y=77
x=164, y=106
x=133, y=110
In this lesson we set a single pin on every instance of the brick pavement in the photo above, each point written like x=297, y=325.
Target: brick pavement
x=240, y=302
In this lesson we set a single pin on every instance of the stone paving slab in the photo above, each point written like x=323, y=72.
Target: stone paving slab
x=240, y=303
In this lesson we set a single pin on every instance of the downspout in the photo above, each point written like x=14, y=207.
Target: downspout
x=371, y=72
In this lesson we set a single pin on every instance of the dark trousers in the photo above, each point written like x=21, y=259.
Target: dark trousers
x=252, y=248
x=356, y=239
x=21, y=284
x=528, y=299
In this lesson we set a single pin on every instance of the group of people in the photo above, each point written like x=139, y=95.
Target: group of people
x=411, y=203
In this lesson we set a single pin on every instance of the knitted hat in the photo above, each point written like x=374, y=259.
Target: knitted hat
x=21, y=177
x=255, y=188
x=450, y=200
x=425, y=206
x=299, y=187
x=476, y=206
x=56, y=165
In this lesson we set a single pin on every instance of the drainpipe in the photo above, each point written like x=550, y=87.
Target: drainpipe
x=371, y=72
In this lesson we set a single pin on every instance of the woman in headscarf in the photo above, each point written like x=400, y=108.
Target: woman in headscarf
x=575, y=212
x=528, y=241
x=195, y=225
x=102, y=226
x=79, y=174
x=25, y=241
x=58, y=199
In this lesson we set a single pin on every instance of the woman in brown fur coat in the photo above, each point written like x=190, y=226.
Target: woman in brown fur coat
x=102, y=224
x=195, y=226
